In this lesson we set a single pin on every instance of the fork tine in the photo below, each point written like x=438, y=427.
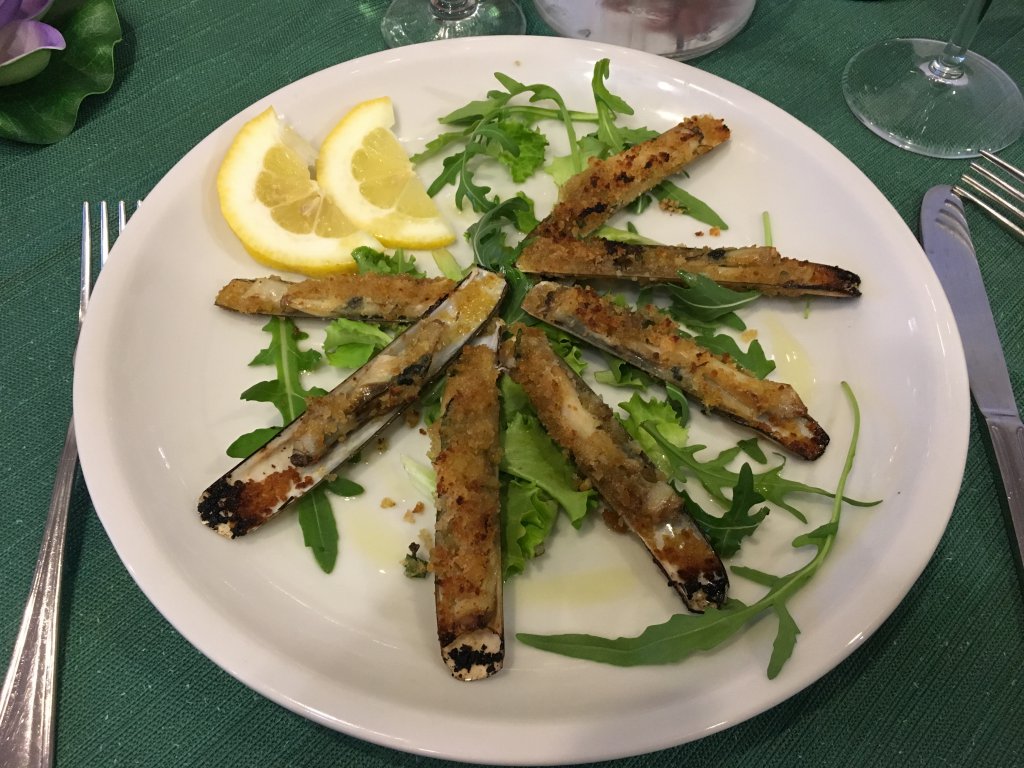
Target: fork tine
x=104, y=234
x=1007, y=213
x=122, y=217
x=85, y=285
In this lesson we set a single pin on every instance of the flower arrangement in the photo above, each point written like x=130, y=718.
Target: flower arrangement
x=53, y=54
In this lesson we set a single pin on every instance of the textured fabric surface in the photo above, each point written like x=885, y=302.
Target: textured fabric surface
x=939, y=683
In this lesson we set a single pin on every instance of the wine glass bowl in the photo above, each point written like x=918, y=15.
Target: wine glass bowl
x=417, y=21
x=933, y=98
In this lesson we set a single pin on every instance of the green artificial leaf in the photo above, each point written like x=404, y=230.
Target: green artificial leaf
x=350, y=343
x=726, y=533
x=319, y=530
x=399, y=263
x=44, y=109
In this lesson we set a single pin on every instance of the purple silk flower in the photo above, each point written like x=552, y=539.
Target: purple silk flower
x=25, y=42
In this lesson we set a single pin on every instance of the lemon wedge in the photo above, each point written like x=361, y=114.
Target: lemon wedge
x=276, y=209
x=364, y=170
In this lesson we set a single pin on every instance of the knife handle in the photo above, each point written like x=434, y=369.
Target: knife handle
x=1007, y=434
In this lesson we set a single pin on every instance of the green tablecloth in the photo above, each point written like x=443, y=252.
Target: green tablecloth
x=940, y=683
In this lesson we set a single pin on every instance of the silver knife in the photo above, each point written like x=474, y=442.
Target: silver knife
x=947, y=242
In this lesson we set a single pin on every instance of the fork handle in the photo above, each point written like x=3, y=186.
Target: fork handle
x=29, y=693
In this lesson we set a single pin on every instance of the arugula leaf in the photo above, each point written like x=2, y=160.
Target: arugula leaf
x=683, y=635
x=319, y=529
x=246, y=445
x=703, y=301
x=342, y=486
x=350, y=343
x=286, y=391
x=727, y=532
x=753, y=359
x=753, y=449
x=487, y=237
x=316, y=519
x=678, y=200
x=609, y=107
x=371, y=260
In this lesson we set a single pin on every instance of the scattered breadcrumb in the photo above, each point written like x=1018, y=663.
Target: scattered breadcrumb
x=412, y=417
x=387, y=502
x=714, y=231
x=382, y=444
x=410, y=515
x=749, y=335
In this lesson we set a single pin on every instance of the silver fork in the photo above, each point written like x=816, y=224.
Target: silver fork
x=29, y=693
x=1004, y=205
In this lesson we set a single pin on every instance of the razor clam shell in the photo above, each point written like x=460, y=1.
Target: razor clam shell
x=759, y=268
x=384, y=298
x=258, y=487
x=466, y=557
x=586, y=428
x=650, y=340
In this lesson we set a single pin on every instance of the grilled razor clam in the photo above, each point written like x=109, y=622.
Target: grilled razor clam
x=257, y=489
x=584, y=426
x=588, y=199
x=650, y=340
x=386, y=298
x=759, y=268
x=466, y=558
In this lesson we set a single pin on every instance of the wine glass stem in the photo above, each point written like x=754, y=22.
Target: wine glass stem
x=949, y=66
x=453, y=10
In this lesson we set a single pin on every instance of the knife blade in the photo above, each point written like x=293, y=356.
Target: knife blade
x=946, y=239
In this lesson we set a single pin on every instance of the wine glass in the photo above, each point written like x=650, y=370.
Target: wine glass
x=933, y=98
x=417, y=21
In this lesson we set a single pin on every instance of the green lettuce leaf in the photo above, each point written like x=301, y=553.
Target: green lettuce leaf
x=44, y=110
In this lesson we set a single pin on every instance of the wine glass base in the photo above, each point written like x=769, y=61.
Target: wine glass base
x=413, y=21
x=892, y=89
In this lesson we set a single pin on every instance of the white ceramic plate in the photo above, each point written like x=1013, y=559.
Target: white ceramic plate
x=156, y=402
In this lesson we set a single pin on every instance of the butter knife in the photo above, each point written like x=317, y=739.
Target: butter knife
x=947, y=242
